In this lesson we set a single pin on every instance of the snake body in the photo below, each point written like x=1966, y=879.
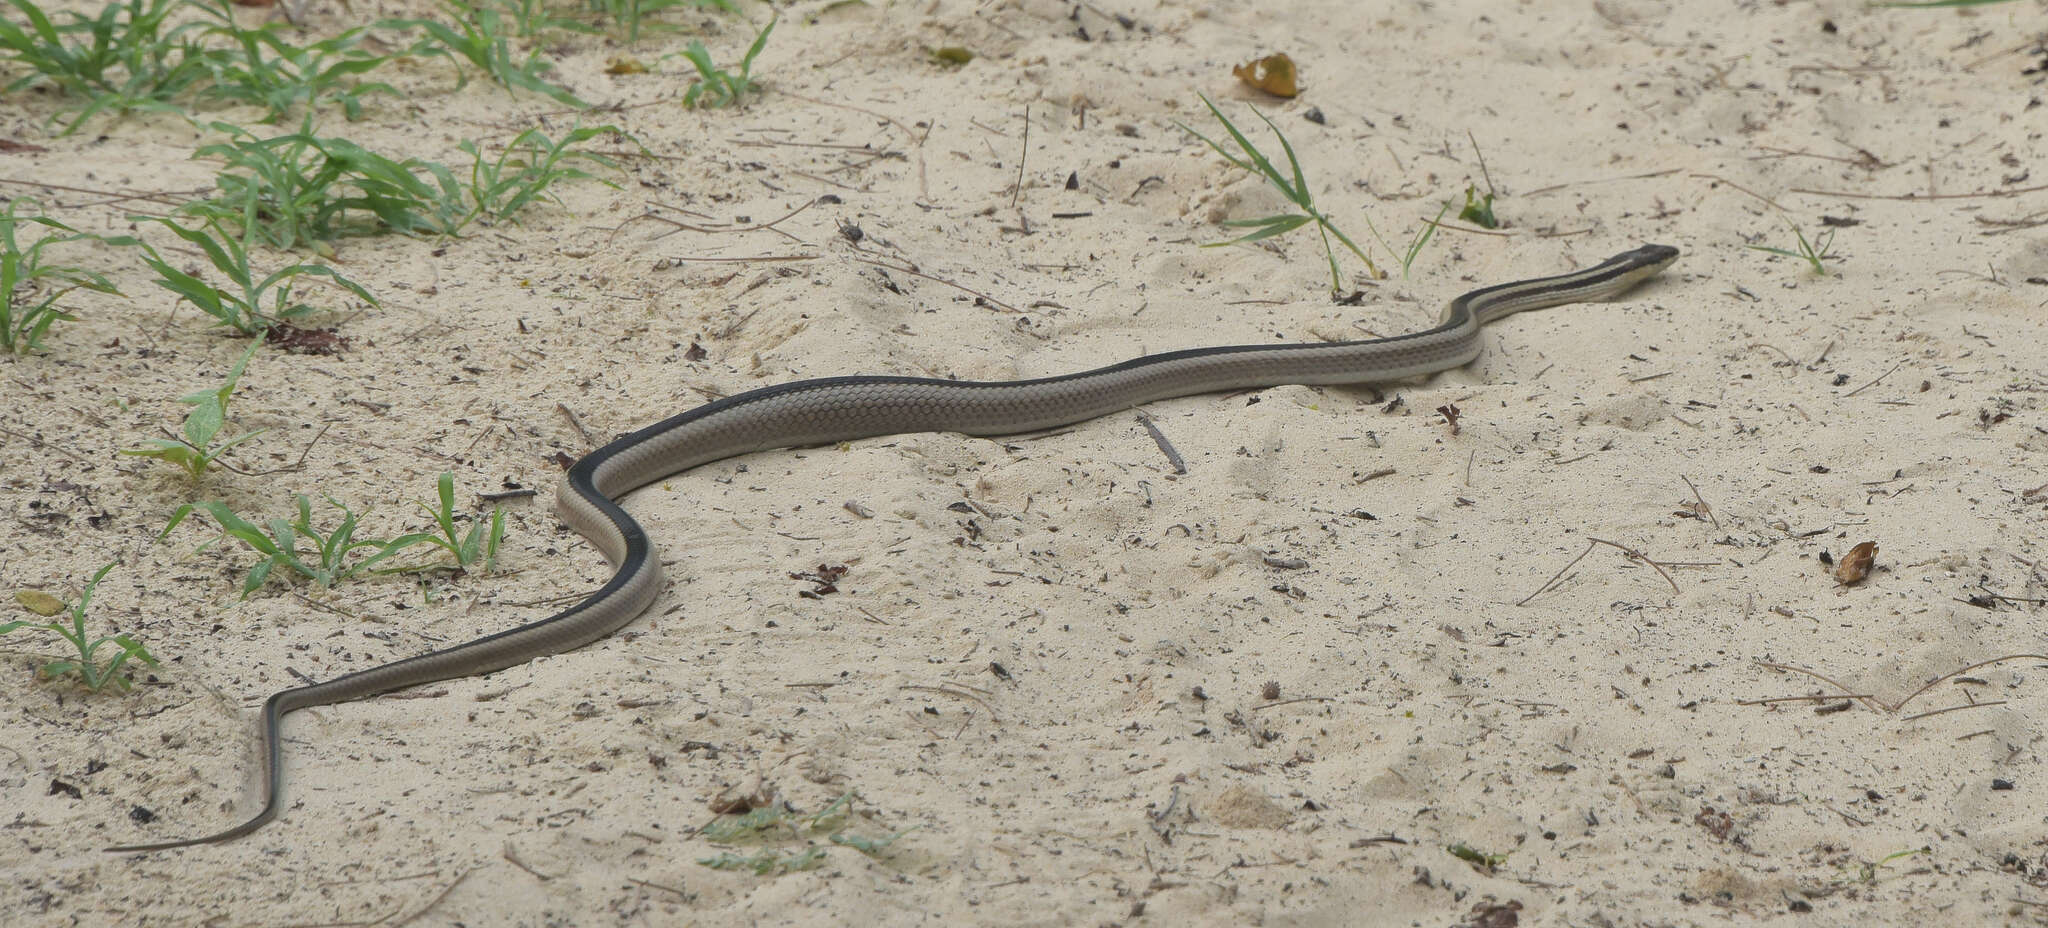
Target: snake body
x=835, y=409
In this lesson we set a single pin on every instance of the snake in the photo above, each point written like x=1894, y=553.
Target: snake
x=828, y=410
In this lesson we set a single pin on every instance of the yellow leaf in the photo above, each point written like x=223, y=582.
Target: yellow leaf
x=1273, y=74
x=39, y=602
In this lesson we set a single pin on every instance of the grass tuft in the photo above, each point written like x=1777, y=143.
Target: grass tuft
x=253, y=305
x=195, y=449
x=295, y=189
x=327, y=558
x=630, y=16
x=481, y=37
x=30, y=288
x=260, y=68
x=716, y=87
x=1820, y=249
x=477, y=547
x=155, y=55
x=623, y=18
x=93, y=673
x=128, y=57
x=298, y=189
x=528, y=167
x=1293, y=186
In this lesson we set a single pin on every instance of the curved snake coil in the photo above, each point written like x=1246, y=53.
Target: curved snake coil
x=835, y=409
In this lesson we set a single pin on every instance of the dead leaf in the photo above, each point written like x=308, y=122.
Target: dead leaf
x=296, y=340
x=1273, y=74
x=824, y=579
x=1492, y=915
x=736, y=801
x=1715, y=821
x=1856, y=565
x=39, y=602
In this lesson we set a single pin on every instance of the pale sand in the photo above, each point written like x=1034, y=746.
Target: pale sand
x=1129, y=767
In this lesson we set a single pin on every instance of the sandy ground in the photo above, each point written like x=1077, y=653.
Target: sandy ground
x=1272, y=690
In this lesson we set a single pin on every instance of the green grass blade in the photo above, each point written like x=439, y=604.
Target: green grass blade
x=1267, y=228
x=1301, y=193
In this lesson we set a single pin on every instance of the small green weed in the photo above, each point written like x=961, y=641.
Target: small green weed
x=629, y=15
x=716, y=87
x=298, y=189
x=478, y=546
x=1867, y=871
x=29, y=287
x=92, y=673
x=143, y=55
x=1293, y=186
x=624, y=18
x=330, y=557
x=126, y=58
x=1478, y=208
x=295, y=189
x=481, y=38
x=531, y=164
x=1421, y=239
x=1478, y=859
x=777, y=822
x=253, y=306
x=259, y=67
x=1820, y=249
x=528, y=18
x=195, y=450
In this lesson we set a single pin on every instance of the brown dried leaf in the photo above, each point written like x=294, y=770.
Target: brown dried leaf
x=1716, y=822
x=1856, y=565
x=824, y=580
x=1273, y=74
x=738, y=801
x=1496, y=915
x=296, y=340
